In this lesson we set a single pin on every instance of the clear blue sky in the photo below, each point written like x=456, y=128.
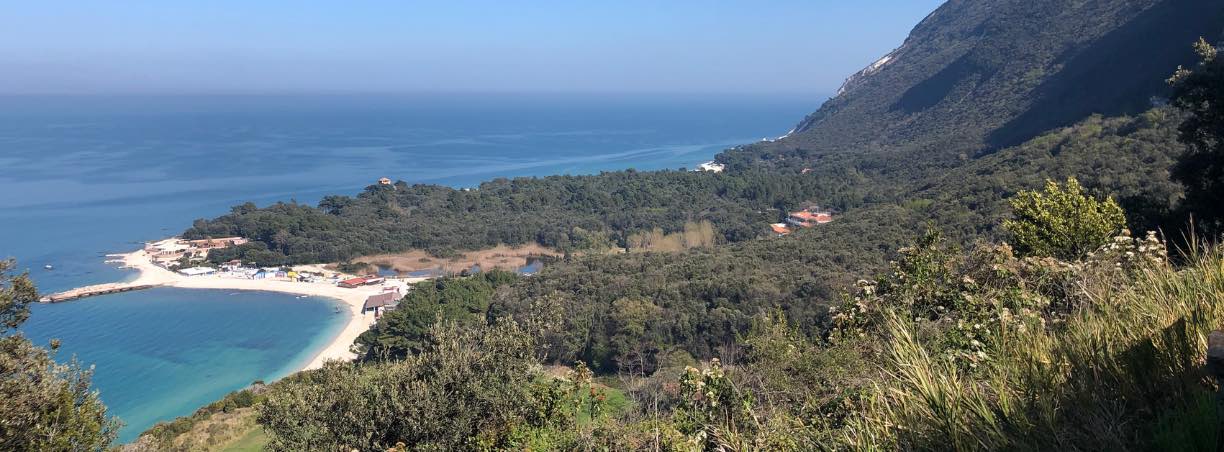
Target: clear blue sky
x=258, y=46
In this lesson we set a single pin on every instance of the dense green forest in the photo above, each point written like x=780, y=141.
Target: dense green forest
x=557, y=211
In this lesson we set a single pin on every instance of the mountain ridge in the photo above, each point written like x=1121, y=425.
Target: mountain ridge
x=974, y=77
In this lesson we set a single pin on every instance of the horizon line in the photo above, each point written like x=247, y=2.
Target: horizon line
x=272, y=93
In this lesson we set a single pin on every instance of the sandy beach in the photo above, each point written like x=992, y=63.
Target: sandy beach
x=337, y=348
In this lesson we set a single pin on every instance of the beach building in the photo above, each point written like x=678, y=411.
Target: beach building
x=166, y=251
x=198, y=271
x=246, y=273
x=352, y=283
x=381, y=303
x=223, y=242
x=268, y=272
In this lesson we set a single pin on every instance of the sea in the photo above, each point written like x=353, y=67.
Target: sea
x=85, y=176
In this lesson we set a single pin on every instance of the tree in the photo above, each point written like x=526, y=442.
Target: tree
x=333, y=204
x=46, y=405
x=1200, y=93
x=1062, y=222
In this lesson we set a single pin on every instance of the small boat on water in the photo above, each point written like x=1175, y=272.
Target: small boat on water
x=49, y=267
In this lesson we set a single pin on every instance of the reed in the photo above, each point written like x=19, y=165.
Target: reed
x=1114, y=375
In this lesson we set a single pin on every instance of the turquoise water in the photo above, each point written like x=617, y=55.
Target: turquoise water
x=85, y=176
x=177, y=350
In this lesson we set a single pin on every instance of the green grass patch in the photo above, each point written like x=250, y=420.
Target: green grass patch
x=253, y=441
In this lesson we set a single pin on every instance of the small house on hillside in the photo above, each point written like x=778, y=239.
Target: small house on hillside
x=780, y=229
x=808, y=218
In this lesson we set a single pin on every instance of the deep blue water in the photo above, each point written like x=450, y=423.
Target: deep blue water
x=81, y=177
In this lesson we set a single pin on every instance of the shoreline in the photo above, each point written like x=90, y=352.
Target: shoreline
x=336, y=348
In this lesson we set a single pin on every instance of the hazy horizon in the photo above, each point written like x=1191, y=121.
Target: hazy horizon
x=385, y=47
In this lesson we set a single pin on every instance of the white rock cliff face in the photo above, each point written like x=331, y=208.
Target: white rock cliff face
x=857, y=77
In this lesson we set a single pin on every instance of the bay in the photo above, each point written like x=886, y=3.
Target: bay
x=84, y=176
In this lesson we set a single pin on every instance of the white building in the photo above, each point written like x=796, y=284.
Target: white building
x=198, y=271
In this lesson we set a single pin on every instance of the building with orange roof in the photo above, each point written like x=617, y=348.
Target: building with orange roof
x=807, y=219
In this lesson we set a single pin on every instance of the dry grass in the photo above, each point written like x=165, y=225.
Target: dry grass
x=218, y=431
x=695, y=235
x=502, y=256
x=1104, y=380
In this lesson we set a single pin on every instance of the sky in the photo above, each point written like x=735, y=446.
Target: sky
x=454, y=46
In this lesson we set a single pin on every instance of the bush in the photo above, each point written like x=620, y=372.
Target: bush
x=1062, y=222
x=468, y=388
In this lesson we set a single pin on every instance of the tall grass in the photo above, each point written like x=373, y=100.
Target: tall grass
x=1115, y=375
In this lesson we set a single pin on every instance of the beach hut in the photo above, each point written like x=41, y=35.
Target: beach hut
x=380, y=303
x=352, y=283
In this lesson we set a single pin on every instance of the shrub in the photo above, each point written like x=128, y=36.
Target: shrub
x=1062, y=222
x=468, y=388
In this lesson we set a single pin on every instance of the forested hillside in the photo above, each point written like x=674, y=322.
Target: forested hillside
x=631, y=312
x=567, y=212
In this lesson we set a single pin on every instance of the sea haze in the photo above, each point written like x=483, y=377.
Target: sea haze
x=87, y=176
